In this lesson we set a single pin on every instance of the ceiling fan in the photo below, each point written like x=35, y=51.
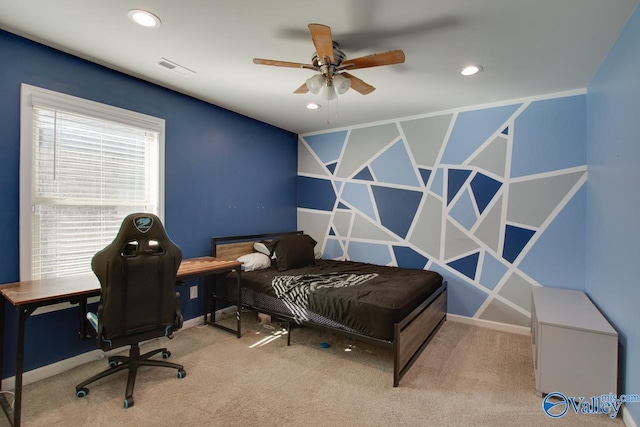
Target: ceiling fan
x=331, y=64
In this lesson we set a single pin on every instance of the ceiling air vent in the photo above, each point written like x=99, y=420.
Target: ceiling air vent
x=176, y=68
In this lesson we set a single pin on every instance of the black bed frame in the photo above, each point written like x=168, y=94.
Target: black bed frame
x=411, y=334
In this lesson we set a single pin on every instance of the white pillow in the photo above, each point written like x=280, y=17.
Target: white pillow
x=254, y=261
x=261, y=247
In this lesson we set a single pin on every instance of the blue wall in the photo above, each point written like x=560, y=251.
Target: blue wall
x=225, y=173
x=613, y=199
x=491, y=198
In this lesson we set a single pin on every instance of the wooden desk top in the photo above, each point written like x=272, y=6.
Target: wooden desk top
x=49, y=291
x=205, y=265
x=53, y=290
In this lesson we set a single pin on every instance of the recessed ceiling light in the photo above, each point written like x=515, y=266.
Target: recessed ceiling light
x=313, y=106
x=144, y=18
x=471, y=70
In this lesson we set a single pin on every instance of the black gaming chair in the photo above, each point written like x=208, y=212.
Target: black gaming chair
x=138, y=301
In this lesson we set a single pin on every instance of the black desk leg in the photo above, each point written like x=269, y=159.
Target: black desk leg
x=82, y=313
x=3, y=321
x=13, y=415
x=4, y=403
x=239, y=303
x=212, y=297
x=209, y=315
x=23, y=313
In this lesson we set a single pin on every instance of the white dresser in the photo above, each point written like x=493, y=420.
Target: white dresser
x=575, y=349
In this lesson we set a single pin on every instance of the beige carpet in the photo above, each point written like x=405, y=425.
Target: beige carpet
x=467, y=376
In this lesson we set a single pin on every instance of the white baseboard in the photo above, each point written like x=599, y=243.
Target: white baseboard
x=72, y=362
x=626, y=418
x=522, y=330
x=53, y=369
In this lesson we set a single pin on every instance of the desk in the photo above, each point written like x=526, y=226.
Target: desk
x=210, y=266
x=29, y=295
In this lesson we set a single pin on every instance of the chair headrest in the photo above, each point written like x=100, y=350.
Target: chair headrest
x=144, y=225
x=139, y=234
x=141, y=228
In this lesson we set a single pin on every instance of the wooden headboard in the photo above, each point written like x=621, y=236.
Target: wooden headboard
x=231, y=247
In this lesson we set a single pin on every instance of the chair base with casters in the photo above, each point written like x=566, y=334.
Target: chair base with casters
x=132, y=363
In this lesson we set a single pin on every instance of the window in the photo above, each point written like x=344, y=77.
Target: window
x=84, y=166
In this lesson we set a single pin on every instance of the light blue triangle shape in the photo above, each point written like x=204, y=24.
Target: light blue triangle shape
x=394, y=166
x=437, y=182
x=327, y=146
x=464, y=211
x=472, y=129
x=557, y=258
x=357, y=195
x=492, y=271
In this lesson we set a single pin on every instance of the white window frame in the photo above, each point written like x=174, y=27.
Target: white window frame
x=31, y=95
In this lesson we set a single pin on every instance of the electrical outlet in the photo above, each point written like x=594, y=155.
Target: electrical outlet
x=193, y=292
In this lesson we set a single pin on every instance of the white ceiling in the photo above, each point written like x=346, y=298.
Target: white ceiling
x=527, y=48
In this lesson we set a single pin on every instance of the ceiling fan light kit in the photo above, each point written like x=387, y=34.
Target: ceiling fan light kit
x=341, y=83
x=315, y=83
x=329, y=93
x=330, y=88
x=331, y=64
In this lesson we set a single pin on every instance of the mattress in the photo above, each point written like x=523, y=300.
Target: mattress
x=364, y=298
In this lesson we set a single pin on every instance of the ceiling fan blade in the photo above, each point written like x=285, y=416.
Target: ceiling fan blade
x=321, y=36
x=375, y=60
x=358, y=85
x=365, y=36
x=302, y=89
x=273, y=62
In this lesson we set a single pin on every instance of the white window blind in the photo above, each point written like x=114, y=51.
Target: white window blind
x=89, y=168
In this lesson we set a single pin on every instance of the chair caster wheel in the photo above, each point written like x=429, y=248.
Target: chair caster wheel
x=182, y=373
x=113, y=363
x=82, y=392
x=128, y=402
x=166, y=354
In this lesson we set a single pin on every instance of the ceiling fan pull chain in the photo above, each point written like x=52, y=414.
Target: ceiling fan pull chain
x=328, y=112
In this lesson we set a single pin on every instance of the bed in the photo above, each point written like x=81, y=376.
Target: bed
x=399, y=308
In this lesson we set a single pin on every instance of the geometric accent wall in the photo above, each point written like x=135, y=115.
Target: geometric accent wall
x=492, y=198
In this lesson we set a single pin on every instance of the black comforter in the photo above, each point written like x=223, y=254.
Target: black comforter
x=363, y=297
